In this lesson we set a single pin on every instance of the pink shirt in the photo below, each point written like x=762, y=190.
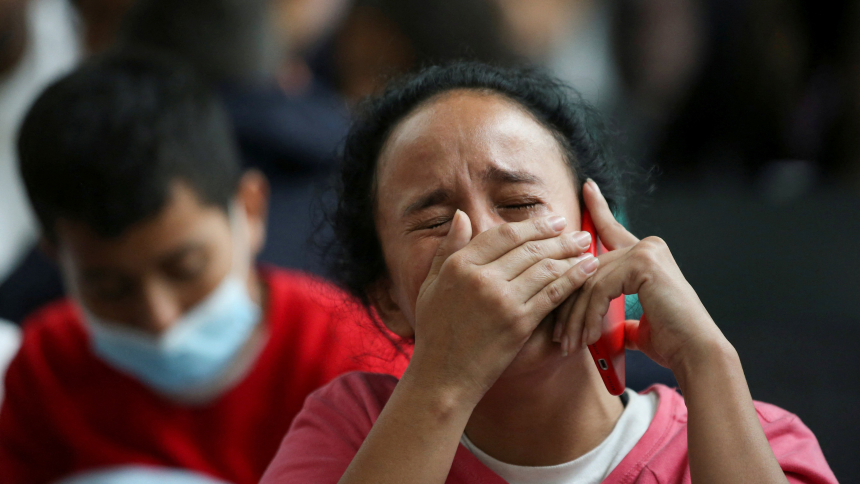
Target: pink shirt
x=331, y=427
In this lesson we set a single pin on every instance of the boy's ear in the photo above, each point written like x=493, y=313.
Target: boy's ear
x=253, y=192
x=382, y=300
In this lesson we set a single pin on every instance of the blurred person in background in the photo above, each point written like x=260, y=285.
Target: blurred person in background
x=288, y=125
x=660, y=48
x=629, y=59
x=722, y=94
x=733, y=119
x=175, y=357
x=571, y=38
x=380, y=39
x=635, y=61
x=305, y=27
x=738, y=95
x=38, y=42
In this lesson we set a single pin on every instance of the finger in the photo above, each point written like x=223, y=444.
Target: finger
x=637, y=336
x=498, y=241
x=562, y=316
x=632, y=337
x=458, y=237
x=538, y=276
x=557, y=291
x=620, y=280
x=522, y=258
x=612, y=234
x=574, y=324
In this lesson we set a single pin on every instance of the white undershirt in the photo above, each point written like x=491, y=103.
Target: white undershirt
x=592, y=467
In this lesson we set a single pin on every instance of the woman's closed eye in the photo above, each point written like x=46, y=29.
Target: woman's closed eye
x=522, y=206
x=435, y=223
x=519, y=206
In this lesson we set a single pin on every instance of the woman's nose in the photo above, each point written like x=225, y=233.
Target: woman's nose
x=483, y=220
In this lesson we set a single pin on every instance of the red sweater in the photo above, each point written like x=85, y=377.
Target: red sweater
x=331, y=427
x=66, y=411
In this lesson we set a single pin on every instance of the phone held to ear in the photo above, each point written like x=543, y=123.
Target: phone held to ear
x=608, y=352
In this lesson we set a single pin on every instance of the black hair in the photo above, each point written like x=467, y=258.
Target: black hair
x=105, y=144
x=356, y=259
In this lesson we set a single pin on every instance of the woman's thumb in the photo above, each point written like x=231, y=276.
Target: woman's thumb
x=458, y=237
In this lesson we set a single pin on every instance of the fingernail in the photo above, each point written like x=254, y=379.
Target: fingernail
x=557, y=223
x=589, y=265
x=565, y=345
x=593, y=184
x=556, y=333
x=582, y=239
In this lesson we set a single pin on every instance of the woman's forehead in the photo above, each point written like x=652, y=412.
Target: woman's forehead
x=466, y=131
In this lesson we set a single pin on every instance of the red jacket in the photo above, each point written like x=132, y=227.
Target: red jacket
x=331, y=427
x=67, y=411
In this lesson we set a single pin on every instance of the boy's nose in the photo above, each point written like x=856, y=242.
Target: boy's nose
x=160, y=310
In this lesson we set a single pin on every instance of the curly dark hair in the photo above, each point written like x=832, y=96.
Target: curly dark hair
x=356, y=260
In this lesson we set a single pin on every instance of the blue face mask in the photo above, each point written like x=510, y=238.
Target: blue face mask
x=197, y=349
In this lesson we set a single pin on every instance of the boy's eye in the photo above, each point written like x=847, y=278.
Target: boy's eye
x=109, y=290
x=189, y=266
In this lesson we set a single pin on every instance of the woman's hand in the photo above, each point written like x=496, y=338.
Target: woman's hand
x=484, y=297
x=725, y=438
x=676, y=326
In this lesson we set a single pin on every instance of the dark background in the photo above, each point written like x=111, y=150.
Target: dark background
x=783, y=284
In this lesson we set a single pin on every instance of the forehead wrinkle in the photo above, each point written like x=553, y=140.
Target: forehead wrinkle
x=496, y=174
x=498, y=143
x=421, y=153
x=434, y=197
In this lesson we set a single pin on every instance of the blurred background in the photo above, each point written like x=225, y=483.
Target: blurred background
x=741, y=120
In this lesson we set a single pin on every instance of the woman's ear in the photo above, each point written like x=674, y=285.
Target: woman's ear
x=383, y=301
x=254, y=194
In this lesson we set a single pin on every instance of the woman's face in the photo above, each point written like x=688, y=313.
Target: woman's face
x=476, y=152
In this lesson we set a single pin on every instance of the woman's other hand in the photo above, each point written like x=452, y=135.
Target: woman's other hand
x=676, y=326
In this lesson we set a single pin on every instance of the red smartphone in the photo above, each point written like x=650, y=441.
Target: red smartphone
x=608, y=352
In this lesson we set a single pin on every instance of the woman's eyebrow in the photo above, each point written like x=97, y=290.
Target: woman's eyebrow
x=434, y=197
x=501, y=175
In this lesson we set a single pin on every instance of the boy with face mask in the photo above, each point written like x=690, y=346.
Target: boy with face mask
x=175, y=357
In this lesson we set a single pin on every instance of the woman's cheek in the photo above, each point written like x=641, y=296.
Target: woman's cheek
x=422, y=263
x=417, y=267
